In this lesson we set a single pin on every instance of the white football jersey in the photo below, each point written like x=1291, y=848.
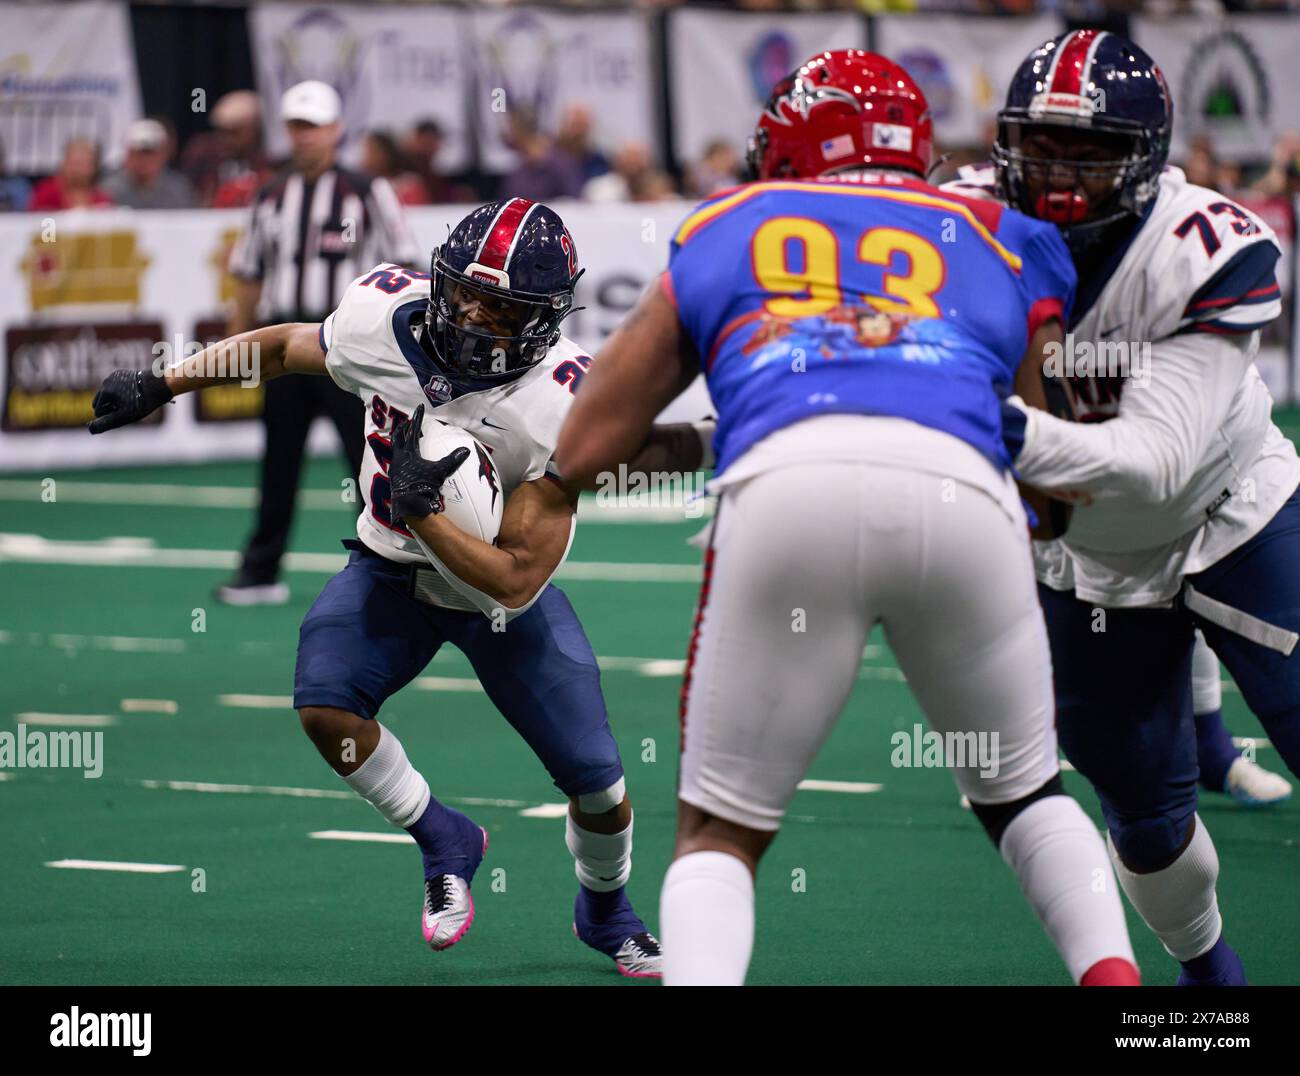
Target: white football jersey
x=371, y=350
x=1199, y=264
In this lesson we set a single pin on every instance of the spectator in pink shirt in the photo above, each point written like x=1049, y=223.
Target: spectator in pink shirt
x=73, y=185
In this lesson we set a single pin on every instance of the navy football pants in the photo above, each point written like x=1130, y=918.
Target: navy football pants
x=1123, y=694
x=365, y=639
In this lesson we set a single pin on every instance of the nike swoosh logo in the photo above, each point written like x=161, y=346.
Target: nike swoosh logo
x=495, y=426
x=1112, y=331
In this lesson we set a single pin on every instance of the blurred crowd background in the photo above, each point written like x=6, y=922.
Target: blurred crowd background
x=177, y=158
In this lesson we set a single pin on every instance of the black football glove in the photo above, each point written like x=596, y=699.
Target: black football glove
x=127, y=396
x=416, y=483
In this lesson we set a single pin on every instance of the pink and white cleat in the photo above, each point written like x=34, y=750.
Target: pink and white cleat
x=448, y=908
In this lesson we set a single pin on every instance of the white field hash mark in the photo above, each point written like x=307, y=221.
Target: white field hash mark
x=257, y=702
x=361, y=835
x=111, y=865
x=84, y=721
x=149, y=706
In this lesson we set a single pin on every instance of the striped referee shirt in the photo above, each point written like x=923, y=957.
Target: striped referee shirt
x=307, y=240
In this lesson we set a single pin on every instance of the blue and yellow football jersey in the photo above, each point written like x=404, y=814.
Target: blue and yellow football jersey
x=874, y=295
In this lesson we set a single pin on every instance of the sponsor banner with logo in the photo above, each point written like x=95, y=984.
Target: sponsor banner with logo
x=722, y=66
x=69, y=71
x=1232, y=78
x=83, y=293
x=543, y=61
x=392, y=66
x=963, y=65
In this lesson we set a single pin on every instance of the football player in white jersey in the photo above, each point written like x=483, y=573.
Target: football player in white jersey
x=1223, y=767
x=478, y=344
x=1185, y=511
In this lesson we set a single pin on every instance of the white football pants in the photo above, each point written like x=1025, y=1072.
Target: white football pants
x=823, y=530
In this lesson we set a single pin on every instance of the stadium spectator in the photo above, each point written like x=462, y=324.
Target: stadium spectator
x=422, y=145
x=1283, y=164
x=73, y=186
x=382, y=157
x=227, y=164
x=718, y=169
x=574, y=137
x=631, y=165
x=544, y=171
x=144, y=181
x=15, y=191
x=652, y=185
x=1202, y=166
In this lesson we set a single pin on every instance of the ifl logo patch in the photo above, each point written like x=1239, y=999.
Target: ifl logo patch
x=438, y=389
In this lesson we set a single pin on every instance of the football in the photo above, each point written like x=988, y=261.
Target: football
x=472, y=497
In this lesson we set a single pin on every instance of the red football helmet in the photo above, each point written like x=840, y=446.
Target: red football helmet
x=843, y=109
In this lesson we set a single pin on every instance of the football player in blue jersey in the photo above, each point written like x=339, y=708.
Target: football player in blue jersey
x=858, y=330
x=1186, y=512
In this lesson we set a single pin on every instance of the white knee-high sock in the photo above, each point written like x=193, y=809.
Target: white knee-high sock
x=603, y=861
x=389, y=782
x=1060, y=859
x=1179, y=903
x=706, y=915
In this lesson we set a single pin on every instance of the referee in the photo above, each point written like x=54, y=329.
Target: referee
x=315, y=227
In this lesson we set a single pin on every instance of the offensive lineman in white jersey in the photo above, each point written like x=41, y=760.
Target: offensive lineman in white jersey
x=1185, y=511
x=1222, y=766
x=482, y=349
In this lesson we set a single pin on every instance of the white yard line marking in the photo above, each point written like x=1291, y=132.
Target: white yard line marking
x=257, y=702
x=33, y=549
x=149, y=706
x=306, y=793
x=361, y=835
x=545, y=810
x=110, y=865
x=812, y=785
x=254, y=790
x=121, y=643
x=85, y=721
x=5, y=776
x=446, y=683
x=177, y=496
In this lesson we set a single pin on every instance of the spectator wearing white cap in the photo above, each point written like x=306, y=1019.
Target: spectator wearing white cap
x=144, y=181
x=314, y=228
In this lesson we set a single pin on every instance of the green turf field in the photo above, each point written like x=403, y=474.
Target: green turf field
x=897, y=885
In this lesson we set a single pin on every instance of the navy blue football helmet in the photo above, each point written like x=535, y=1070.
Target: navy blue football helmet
x=1101, y=100
x=502, y=283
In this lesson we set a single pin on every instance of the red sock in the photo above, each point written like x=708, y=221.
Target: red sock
x=1113, y=971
